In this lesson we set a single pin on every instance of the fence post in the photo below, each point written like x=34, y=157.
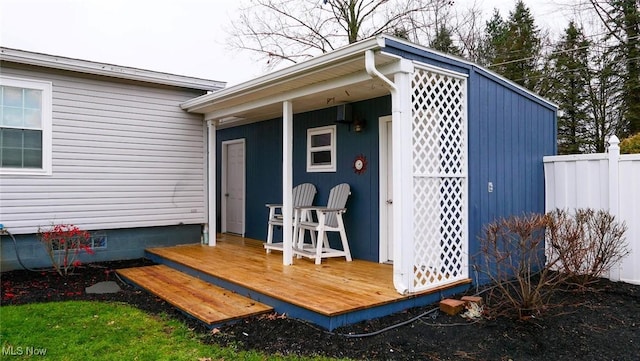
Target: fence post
x=614, y=197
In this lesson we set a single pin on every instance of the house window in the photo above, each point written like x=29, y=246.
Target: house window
x=321, y=149
x=97, y=240
x=25, y=126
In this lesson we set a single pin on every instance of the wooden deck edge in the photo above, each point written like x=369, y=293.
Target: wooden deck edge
x=442, y=288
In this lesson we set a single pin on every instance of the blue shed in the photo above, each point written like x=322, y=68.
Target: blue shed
x=433, y=147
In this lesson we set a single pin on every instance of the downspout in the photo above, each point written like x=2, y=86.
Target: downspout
x=399, y=277
x=370, y=66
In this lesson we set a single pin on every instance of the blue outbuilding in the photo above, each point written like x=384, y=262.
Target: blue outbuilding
x=432, y=146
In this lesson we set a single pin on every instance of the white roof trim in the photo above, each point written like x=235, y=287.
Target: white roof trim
x=286, y=74
x=116, y=71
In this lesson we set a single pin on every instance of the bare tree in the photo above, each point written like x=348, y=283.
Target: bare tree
x=621, y=18
x=468, y=27
x=295, y=30
x=605, y=97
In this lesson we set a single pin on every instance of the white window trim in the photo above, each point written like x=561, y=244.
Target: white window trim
x=332, y=148
x=47, y=120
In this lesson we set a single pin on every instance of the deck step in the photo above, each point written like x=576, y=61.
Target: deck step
x=208, y=303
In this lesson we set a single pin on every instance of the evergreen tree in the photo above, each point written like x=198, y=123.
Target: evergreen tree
x=494, y=49
x=513, y=47
x=443, y=41
x=622, y=20
x=524, y=48
x=629, y=17
x=569, y=89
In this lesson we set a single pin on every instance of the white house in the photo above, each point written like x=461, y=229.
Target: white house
x=101, y=146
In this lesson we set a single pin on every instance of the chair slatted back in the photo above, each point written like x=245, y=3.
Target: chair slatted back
x=303, y=195
x=337, y=199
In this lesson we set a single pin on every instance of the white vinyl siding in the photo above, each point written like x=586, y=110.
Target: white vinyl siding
x=123, y=155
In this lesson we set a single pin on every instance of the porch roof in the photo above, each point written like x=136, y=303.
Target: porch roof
x=327, y=80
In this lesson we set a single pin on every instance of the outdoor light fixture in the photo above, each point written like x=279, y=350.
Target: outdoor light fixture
x=359, y=124
x=344, y=115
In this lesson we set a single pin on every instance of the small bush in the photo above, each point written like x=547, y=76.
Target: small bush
x=630, y=145
x=63, y=243
x=586, y=244
x=514, y=253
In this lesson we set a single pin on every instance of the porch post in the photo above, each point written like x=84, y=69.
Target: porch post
x=287, y=182
x=403, y=245
x=212, y=189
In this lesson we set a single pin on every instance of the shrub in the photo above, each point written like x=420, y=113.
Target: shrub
x=63, y=243
x=513, y=250
x=586, y=244
x=630, y=145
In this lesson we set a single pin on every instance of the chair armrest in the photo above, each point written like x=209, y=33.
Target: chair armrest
x=273, y=205
x=321, y=209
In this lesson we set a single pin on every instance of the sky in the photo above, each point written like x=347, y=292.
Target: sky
x=184, y=37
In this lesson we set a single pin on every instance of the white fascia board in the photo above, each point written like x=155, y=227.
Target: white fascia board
x=301, y=92
x=110, y=70
x=285, y=74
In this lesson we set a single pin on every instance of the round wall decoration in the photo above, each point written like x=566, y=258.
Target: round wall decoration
x=360, y=164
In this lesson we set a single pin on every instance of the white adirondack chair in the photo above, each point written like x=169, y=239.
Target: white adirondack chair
x=328, y=219
x=303, y=195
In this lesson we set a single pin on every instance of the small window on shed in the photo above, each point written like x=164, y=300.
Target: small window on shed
x=321, y=149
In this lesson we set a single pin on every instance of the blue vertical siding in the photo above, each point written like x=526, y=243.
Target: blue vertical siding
x=509, y=133
x=263, y=159
x=264, y=171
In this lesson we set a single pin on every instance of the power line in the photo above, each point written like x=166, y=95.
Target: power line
x=563, y=72
x=607, y=47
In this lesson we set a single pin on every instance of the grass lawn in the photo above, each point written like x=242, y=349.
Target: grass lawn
x=80, y=330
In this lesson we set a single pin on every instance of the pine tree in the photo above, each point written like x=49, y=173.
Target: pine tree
x=513, y=47
x=629, y=18
x=523, y=43
x=622, y=20
x=443, y=42
x=494, y=49
x=569, y=89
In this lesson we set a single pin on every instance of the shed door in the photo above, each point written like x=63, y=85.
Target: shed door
x=234, y=186
x=386, y=191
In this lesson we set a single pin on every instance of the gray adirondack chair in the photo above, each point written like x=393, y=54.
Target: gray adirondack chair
x=327, y=219
x=303, y=195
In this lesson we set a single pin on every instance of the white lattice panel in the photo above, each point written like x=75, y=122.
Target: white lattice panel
x=439, y=179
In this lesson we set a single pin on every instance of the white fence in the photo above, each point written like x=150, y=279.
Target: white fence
x=608, y=181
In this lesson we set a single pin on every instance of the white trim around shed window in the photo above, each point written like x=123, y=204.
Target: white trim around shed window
x=46, y=125
x=330, y=148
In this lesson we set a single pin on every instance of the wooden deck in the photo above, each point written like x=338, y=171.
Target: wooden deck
x=332, y=294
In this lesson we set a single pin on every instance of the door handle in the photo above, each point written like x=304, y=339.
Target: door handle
x=226, y=194
x=389, y=201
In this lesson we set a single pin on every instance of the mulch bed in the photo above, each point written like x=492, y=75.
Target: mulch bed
x=602, y=324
